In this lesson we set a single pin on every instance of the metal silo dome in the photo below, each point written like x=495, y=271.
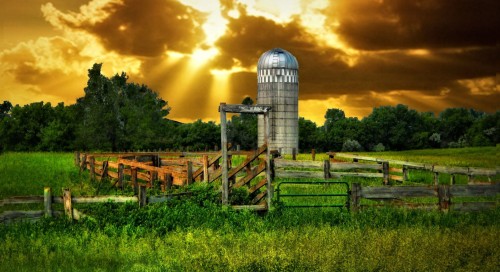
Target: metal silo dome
x=277, y=58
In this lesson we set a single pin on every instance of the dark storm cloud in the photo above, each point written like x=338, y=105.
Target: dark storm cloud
x=396, y=24
x=248, y=37
x=147, y=27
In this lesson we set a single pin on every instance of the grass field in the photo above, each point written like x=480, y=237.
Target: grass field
x=197, y=234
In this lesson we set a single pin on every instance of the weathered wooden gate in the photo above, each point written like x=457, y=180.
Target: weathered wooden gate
x=226, y=174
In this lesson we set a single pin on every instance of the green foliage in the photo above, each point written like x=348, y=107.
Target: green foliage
x=351, y=145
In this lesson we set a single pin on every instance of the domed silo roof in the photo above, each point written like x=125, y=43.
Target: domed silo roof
x=277, y=58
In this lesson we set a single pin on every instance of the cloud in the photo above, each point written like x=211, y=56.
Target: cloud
x=397, y=24
x=135, y=27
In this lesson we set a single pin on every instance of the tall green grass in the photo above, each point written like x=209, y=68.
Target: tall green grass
x=198, y=234
x=24, y=174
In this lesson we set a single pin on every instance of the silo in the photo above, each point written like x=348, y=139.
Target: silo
x=278, y=86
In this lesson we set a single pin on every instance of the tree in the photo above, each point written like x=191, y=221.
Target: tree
x=308, y=135
x=117, y=115
x=242, y=129
x=455, y=123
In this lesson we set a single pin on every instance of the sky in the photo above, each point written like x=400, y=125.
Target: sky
x=353, y=54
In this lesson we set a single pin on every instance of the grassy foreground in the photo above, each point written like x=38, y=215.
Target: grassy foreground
x=197, y=234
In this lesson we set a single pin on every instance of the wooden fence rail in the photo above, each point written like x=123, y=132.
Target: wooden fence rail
x=67, y=200
x=470, y=172
x=443, y=193
x=327, y=169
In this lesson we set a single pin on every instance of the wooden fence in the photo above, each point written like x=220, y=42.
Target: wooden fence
x=177, y=168
x=67, y=200
x=403, y=172
x=393, y=195
x=327, y=169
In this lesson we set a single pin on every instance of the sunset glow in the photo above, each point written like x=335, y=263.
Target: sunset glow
x=353, y=55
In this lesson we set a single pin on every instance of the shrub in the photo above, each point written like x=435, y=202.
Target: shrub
x=379, y=147
x=351, y=145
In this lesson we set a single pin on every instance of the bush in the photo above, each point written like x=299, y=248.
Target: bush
x=351, y=145
x=379, y=147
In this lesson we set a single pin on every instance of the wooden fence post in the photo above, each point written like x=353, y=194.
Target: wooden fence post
x=205, y=168
x=47, y=201
x=68, y=209
x=331, y=156
x=355, y=196
x=169, y=181
x=143, y=198
x=92, y=168
x=405, y=172
x=294, y=154
x=133, y=177
x=436, y=178
x=83, y=165
x=326, y=169
x=444, y=197
x=385, y=170
x=189, y=172
x=313, y=154
x=224, y=173
x=77, y=158
x=120, y=176
x=104, y=169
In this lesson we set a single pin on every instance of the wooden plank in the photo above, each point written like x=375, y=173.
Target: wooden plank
x=451, y=170
x=472, y=206
x=352, y=166
x=103, y=199
x=143, y=176
x=7, y=216
x=253, y=173
x=280, y=173
x=22, y=200
x=259, y=197
x=113, y=174
x=257, y=186
x=260, y=207
x=475, y=190
x=281, y=163
x=224, y=170
x=248, y=160
x=394, y=177
x=394, y=192
x=356, y=174
x=143, y=166
x=483, y=171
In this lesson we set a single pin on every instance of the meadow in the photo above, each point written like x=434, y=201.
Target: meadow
x=198, y=234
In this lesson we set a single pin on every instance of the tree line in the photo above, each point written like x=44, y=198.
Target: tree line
x=115, y=115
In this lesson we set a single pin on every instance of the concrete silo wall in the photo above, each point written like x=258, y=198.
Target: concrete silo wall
x=279, y=88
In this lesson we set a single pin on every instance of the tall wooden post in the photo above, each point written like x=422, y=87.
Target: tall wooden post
x=313, y=154
x=269, y=185
x=355, y=196
x=223, y=136
x=47, y=201
x=133, y=177
x=405, y=172
x=385, y=171
x=77, y=158
x=205, y=168
x=294, y=154
x=92, y=168
x=142, y=196
x=190, y=172
x=326, y=169
x=68, y=209
x=120, y=176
